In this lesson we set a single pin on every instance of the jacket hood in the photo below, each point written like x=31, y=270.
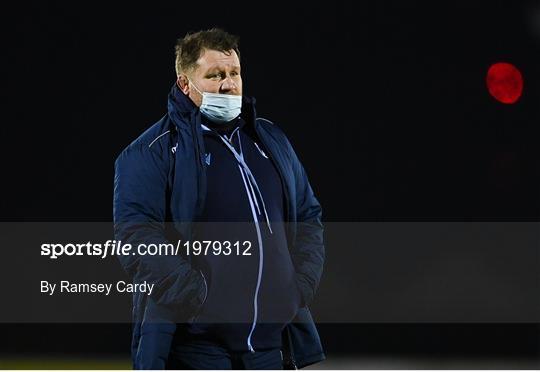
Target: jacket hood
x=183, y=111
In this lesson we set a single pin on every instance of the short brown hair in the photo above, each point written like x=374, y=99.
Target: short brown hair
x=190, y=47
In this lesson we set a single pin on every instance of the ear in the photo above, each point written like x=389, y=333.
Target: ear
x=183, y=83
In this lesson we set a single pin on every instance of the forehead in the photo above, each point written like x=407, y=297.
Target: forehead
x=210, y=59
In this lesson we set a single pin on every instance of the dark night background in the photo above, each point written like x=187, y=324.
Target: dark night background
x=385, y=103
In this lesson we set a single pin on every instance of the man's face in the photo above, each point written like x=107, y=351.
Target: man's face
x=216, y=72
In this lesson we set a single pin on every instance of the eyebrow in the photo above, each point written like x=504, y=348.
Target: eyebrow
x=219, y=68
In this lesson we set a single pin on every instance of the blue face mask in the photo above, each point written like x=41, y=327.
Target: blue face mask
x=220, y=108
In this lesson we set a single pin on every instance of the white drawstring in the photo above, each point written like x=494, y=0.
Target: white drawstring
x=250, y=178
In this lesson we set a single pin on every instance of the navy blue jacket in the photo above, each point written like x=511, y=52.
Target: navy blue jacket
x=161, y=177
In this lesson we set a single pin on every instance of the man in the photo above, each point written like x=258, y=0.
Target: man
x=210, y=159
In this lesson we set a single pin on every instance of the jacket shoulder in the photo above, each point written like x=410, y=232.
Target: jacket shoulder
x=277, y=133
x=158, y=138
x=273, y=129
x=267, y=124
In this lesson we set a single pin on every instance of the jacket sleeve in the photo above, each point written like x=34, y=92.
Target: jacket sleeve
x=308, y=252
x=139, y=209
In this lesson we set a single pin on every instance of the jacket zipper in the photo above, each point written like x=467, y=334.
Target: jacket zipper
x=201, y=179
x=244, y=175
x=261, y=261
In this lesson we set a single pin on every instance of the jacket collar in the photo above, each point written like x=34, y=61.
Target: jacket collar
x=185, y=113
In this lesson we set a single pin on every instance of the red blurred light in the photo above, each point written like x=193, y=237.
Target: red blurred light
x=504, y=82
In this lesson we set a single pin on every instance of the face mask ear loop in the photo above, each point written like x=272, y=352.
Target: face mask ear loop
x=194, y=86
